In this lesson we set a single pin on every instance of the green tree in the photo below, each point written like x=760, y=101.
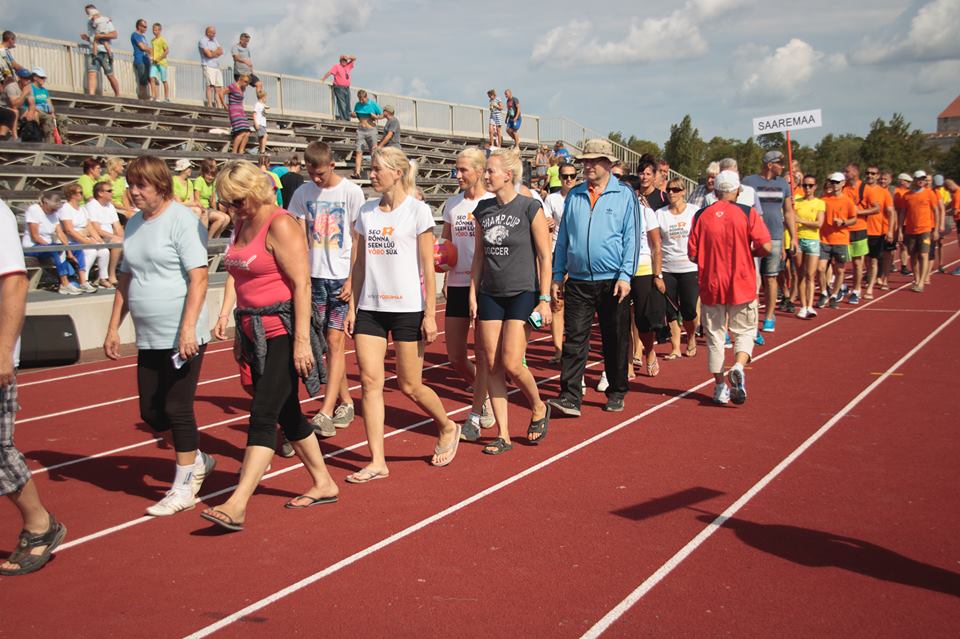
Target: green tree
x=685, y=149
x=748, y=157
x=949, y=164
x=834, y=152
x=894, y=146
x=635, y=144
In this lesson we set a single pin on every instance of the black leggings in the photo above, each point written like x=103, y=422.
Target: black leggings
x=682, y=291
x=275, y=398
x=166, y=395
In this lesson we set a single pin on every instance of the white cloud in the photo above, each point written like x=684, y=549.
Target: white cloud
x=418, y=88
x=783, y=73
x=713, y=8
x=937, y=77
x=931, y=37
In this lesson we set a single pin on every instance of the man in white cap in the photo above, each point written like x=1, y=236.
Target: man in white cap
x=839, y=215
x=922, y=221
x=724, y=239
x=904, y=181
x=596, y=252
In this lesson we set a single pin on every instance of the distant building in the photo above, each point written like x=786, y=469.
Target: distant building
x=948, y=127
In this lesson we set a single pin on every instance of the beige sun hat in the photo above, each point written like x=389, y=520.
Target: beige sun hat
x=597, y=148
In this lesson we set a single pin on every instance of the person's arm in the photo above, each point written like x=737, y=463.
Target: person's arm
x=226, y=307
x=656, y=257
x=196, y=298
x=346, y=291
x=790, y=217
x=325, y=76
x=560, y=252
x=516, y=105
x=541, y=242
x=166, y=52
x=891, y=222
x=476, y=267
x=111, y=343
x=143, y=46
x=72, y=233
x=357, y=275
x=13, y=295
x=385, y=139
x=34, y=229
x=425, y=249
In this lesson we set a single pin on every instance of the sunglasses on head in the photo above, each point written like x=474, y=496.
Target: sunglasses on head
x=675, y=189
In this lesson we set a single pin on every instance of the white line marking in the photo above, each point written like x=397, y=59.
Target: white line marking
x=343, y=563
x=911, y=310
x=620, y=609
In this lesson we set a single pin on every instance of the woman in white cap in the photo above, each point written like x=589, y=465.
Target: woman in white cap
x=41, y=98
x=183, y=191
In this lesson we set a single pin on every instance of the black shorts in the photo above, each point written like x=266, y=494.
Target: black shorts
x=403, y=327
x=683, y=291
x=649, y=304
x=458, y=301
x=7, y=116
x=875, y=246
x=513, y=307
x=917, y=243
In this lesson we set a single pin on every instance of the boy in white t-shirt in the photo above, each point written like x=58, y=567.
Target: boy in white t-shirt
x=260, y=119
x=328, y=205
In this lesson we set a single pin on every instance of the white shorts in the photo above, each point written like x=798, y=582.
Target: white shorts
x=214, y=77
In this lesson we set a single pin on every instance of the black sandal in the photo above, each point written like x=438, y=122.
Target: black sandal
x=539, y=427
x=28, y=562
x=497, y=446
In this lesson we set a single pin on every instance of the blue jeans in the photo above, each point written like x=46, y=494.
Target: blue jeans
x=63, y=266
x=341, y=96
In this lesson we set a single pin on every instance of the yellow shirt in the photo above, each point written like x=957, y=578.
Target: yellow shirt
x=807, y=211
x=159, y=46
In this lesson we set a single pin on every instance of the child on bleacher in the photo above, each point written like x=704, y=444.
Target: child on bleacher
x=260, y=119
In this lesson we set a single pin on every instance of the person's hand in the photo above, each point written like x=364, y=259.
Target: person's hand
x=546, y=313
x=658, y=282
x=111, y=345
x=187, y=343
x=7, y=374
x=936, y=234
x=794, y=244
x=556, y=290
x=429, y=328
x=346, y=290
x=783, y=255
x=302, y=356
x=220, y=330
x=349, y=322
x=890, y=236
x=551, y=224
x=472, y=305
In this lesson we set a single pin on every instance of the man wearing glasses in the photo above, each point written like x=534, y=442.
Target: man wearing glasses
x=553, y=210
x=869, y=202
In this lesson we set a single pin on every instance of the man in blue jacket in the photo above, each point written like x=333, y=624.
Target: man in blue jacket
x=596, y=252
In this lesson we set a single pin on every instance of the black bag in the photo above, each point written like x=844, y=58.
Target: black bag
x=30, y=131
x=48, y=340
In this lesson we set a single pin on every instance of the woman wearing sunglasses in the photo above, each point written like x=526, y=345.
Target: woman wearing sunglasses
x=679, y=273
x=810, y=211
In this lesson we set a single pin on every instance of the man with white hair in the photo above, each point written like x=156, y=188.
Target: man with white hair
x=724, y=239
x=698, y=197
x=747, y=196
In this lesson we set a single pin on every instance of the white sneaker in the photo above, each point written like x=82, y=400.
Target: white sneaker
x=738, y=381
x=603, y=384
x=811, y=312
x=86, y=287
x=803, y=314
x=487, y=420
x=201, y=469
x=721, y=394
x=70, y=289
x=172, y=503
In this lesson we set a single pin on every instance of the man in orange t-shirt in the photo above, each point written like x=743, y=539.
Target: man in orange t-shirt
x=921, y=227
x=903, y=185
x=889, y=233
x=878, y=224
x=867, y=201
x=840, y=215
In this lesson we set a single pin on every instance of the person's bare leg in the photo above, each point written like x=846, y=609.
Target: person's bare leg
x=114, y=84
x=357, y=162
x=35, y=517
x=770, y=296
x=336, y=367
x=410, y=378
x=255, y=462
x=154, y=89
x=556, y=328
x=166, y=90
x=491, y=338
x=690, y=326
x=858, y=275
x=458, y=329
x=308, y=450
x=371, y=351
x=513, y=348
x=92, y=83
x=839, y=271
x=675, y=338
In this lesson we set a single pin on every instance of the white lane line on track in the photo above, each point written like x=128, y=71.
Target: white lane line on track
x=347, y=561
x=661, y=573
x=129, y=398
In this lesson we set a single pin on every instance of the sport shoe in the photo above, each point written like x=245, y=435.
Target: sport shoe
x=201, y=469
x=727, y=343
x=822, y=300
x=834, y=302
x=769, y=325
x=69, y=289
x=565, y=406
x=343, y=415
x=789, y=307
x=956, y=271
x=843, y=292
x=87, y=287
x=487, y=420
x=323, y=425
x=721, y=394
x=470, y=431
x=905, y=271
x=172, y=503
x=614, y=405
x=758, y=340
x=811, y=312
x=802, y=313
x=854, y=299
x=738, y=383
x=603, y=384
x=286, y=449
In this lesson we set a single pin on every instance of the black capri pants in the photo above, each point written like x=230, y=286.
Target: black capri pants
x=276, y=399
x=166, y=395
x=682, y=293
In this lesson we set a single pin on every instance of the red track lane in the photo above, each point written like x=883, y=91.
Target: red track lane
x=653, y=459
x=857, y=538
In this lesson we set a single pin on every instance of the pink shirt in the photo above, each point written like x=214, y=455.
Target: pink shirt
x=257, y=279
x=341, y=74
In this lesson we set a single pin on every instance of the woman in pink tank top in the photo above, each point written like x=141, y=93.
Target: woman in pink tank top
x=270, y=281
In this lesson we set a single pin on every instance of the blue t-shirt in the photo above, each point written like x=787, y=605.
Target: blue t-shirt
x=139, y=55
x=366, y=110
x=41, y=98
x=771, y=194
x=158, y=254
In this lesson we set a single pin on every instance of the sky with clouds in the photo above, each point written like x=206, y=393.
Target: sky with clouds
x=629, y=66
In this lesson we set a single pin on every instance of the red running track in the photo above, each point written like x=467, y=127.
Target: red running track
x=543, y=541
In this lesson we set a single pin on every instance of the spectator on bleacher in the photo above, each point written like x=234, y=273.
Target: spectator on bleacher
x=260, y=120
x=366, y=111
x=158, y=64
x=391, y=128
x=19, y=97
x=552, y=182
x=291, y=180
x=10, y=99
x=495, y=107
x=341, y=85
x=561, y=152
x=100, y=32
x=206, y=196
x=264, y=162
x=141, y=59
x=43, y=228
x=8, y=66
x=239, y=124
x=45, y=110
x=163, y=285
x=102, y=213
x=183, y=191
x=243, y=62
x=91, y=175
x=121, y=199
x=210, y=52
x=540, y=163
x=514, y=117
x=80, y=230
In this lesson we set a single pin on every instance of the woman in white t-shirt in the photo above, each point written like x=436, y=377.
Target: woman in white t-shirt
x=679, y=273
x=394, y=251
x=80, y=229
x=102, y=212
x=43, y=228
x=458, y=228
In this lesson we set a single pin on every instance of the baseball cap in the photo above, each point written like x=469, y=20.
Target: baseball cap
x=389, y=108
x=837, y=177
x=727, y=181
x=39, y=72
x=24, y=73
x=919, y=174
x=904, y=176
x=938, y=180
x=182, y=165
x=597, y=148
x=772, y=156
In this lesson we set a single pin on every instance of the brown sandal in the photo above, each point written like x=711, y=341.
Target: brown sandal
x=28, y=562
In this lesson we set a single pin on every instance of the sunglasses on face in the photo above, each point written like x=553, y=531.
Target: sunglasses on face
x=568, y=177
x=873, y=173
x=810, y=186
x=675, y=189
x=235, y=204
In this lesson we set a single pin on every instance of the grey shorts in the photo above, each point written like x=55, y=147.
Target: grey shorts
x=14, y=473
x=366, y=140
x=839, y=251
x=103, y=60
x=261, y=131
x=771, y=265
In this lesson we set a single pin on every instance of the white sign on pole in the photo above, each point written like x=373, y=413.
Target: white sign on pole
x=788, y=122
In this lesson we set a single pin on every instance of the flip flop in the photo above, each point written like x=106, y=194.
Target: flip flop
x=690, y=352
x=229, y=523
x=539, y=427
x=653, y=369
x=497, y=446
x=671, y=356
x=363, y=476
x=446, y=449
x=314, y=501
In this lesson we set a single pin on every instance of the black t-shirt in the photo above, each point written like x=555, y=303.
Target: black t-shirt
x=656, y=199
x=509, y=264
x=289, y=183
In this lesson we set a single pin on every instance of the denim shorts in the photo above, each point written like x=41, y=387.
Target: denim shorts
x=771, y=265
x=103, y=60
x=810, y=247
x=839, y=251
x=332, y=311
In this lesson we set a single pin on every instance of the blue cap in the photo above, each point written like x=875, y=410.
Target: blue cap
x=24, y=73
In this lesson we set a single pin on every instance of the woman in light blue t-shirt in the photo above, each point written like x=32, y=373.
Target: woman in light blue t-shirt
x=163, y=285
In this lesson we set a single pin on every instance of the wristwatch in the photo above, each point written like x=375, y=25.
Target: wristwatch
x=659, y=276
x=545, y=298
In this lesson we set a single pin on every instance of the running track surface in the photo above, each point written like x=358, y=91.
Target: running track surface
x=825, y=506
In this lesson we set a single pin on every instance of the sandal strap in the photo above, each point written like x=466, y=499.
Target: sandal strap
x=29, y=540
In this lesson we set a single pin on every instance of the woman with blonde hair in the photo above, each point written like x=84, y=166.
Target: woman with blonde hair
x=509, y=286
x=120, y=199
x=80, y=228
x=394, y=251
x=270, y=284
x=459, y=229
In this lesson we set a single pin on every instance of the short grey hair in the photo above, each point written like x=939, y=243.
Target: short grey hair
x=714, y=168
x=728, y=164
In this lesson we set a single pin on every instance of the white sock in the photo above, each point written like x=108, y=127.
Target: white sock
x=199, y=458
x=181, y=481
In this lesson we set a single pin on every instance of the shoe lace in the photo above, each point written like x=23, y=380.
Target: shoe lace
x=340, y=411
